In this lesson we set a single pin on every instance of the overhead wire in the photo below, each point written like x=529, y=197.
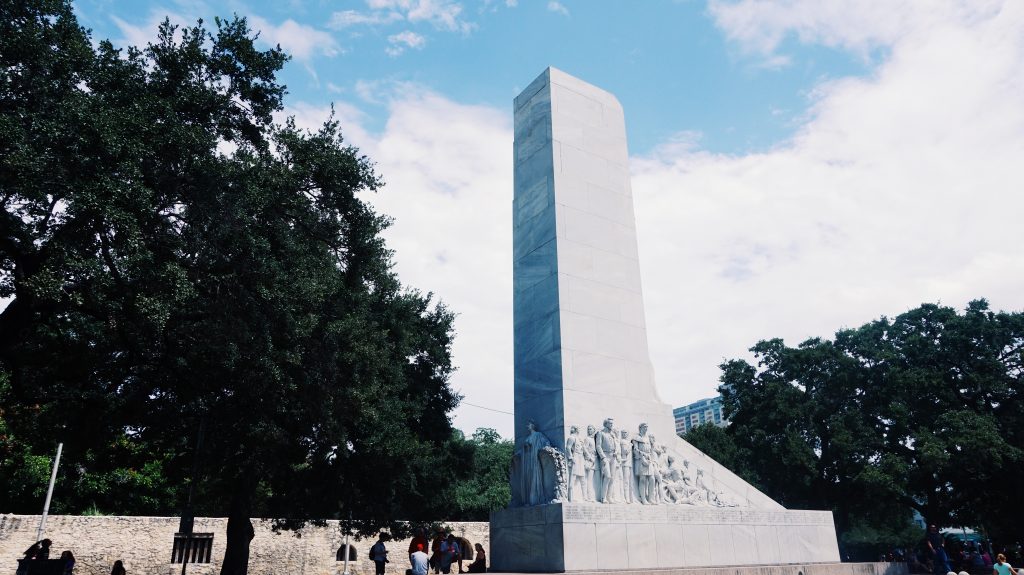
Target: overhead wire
x=485, y=407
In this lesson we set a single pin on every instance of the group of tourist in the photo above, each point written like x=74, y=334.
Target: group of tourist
x=445, y=552
x=631, y=469
x=40, y=551
x=963, y=558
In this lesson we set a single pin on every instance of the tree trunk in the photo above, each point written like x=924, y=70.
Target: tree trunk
x=240, y=534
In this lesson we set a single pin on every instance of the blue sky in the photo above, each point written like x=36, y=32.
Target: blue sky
x=797, y=165
x=666, y=61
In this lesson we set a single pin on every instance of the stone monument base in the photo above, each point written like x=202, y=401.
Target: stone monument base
x=582, y=537
x=794, y=569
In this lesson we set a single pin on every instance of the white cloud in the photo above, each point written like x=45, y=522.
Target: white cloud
x=301, y=41
x=441, y=14
x=900, y=188
x=312, y=118
x=140, y=35
x=346, y=18
x=449, y=188
x=399, y=42
x=558, y=7
x=761, y=25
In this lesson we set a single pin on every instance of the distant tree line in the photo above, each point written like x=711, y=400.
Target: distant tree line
x=920, y=412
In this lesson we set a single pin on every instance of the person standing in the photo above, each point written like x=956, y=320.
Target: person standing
x=1001, y=567
x=940, y=562
x=379, y=555
x=118, y=568
x=450, y=553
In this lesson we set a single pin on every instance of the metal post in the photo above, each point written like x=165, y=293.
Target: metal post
x=49, y=493
x=348, y=549
x=187, y=522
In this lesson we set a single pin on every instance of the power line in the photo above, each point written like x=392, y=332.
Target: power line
x=487, y=408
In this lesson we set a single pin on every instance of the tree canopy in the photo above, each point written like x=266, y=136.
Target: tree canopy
x=487, y=487
x=919, y=412
x=192, y=285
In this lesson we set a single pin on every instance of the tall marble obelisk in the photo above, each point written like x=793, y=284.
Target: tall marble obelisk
x=581, y=359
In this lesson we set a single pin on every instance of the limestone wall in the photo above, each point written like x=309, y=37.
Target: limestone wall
x=144, y=544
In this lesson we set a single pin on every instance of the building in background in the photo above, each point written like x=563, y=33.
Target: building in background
x=707, y=410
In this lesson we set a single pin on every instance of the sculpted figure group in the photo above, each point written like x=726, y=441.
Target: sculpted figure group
x=607, y=466
x=634, y=469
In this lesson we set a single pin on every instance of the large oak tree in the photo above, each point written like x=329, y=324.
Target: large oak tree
x=199, y=299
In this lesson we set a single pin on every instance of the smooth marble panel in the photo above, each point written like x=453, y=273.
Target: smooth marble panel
x=801, y=542
x=570, y=104
x=526, y=547
x=569, y=133
x=587, y=166
x=609, y=102
x=538, y=339
x=642, y=546
x=828, y=545
x=767, y=544
x=611, y=546
x=533, y=233
x=533, y=119
x=586, y=262
x=618, y=340
x=598, y=232
x=541, y=82
x=615, y=147
x=538, y=265
x=539, y=376
x=598, y=201
x=533, y=168
x=596, y=373
x=720, y=544
x=532, y=145
x=696, y=547
x=603, y=301
x=529, y=203
x=580, y=546
x=579, y=332
x=669, y=539
x=639, y=375
x=744, y=544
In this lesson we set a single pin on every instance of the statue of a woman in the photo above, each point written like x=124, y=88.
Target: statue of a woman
x=532, y=475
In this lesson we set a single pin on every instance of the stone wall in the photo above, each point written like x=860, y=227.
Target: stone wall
x=144, y=544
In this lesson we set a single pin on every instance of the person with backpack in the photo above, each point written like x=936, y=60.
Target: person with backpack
x=379, y=554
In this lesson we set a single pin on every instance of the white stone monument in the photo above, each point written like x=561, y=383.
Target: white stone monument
x=628, y=494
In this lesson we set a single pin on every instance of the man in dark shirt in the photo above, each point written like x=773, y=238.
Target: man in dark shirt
x=940, y=562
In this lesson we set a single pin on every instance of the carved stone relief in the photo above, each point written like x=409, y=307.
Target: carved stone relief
x=619, y=468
